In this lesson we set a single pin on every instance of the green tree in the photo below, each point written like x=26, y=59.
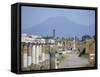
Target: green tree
x=86, y=37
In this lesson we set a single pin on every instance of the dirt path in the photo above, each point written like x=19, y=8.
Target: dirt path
x=72, y=60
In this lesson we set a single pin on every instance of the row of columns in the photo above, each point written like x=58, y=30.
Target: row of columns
x=32, y=54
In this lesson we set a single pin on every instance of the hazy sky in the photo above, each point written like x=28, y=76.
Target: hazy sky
x=33, y=16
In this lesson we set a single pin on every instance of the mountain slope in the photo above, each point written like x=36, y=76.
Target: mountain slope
x=63, y=27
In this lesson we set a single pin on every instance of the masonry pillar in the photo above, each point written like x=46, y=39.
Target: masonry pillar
x=29, y=52
x=37, y=54
x=24, y=56
x=40, y=53
x=43, y=53
x=52, y=60
x=33, y=54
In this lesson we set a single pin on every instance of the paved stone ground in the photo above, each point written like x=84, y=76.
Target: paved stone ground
x=72, y=60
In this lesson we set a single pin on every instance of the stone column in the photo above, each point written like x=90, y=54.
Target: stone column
x=37, y=54
x=43, y=53
x=40, y=53
x=29, y=61
x=33, y=54
x=25, y=56
x=52, y=60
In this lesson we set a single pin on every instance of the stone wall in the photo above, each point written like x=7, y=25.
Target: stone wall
x=90, y=50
